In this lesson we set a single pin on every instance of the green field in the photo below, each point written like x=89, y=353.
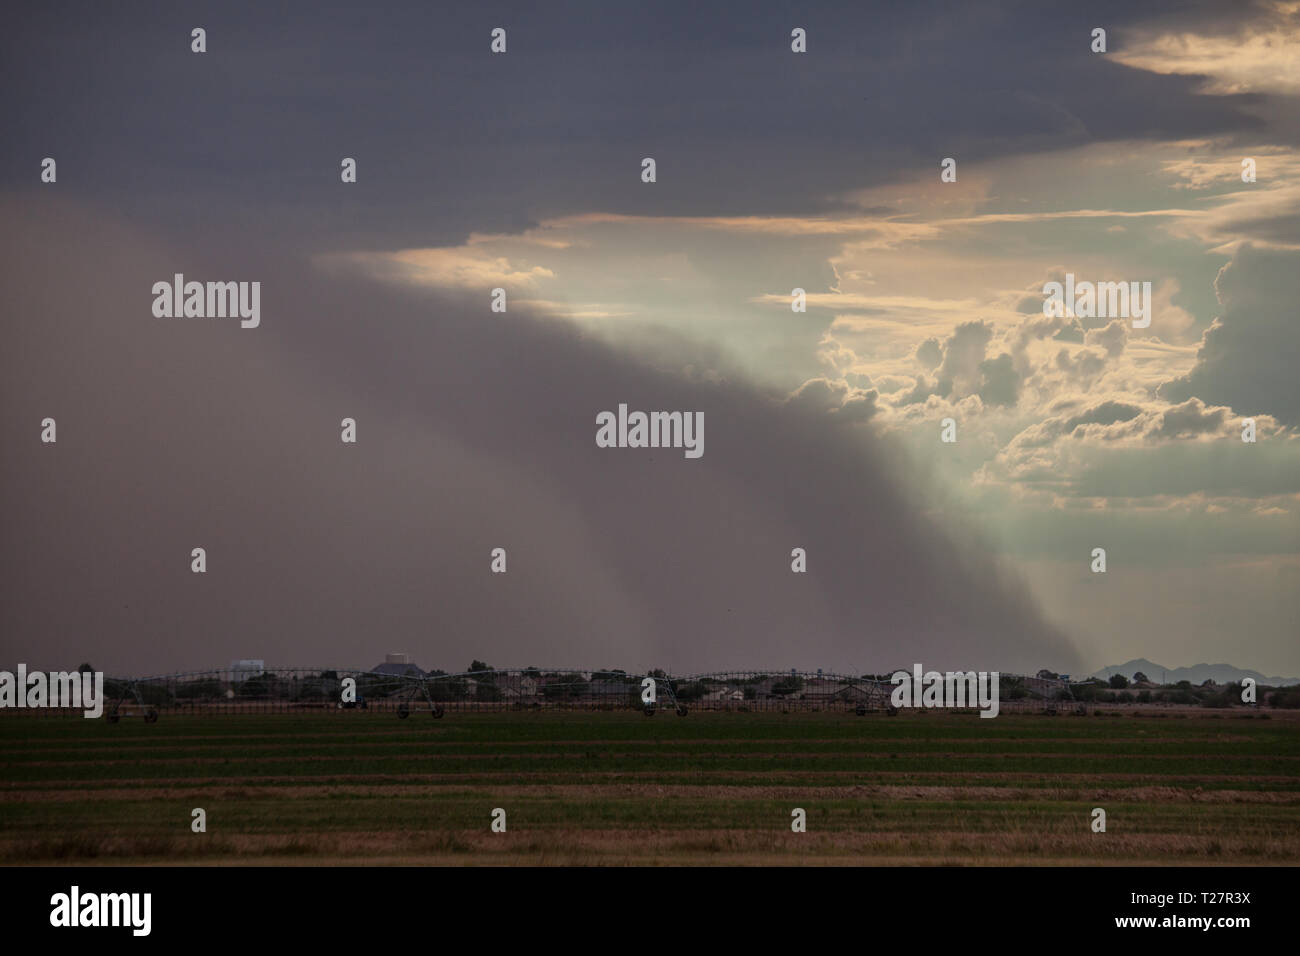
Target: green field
x=600, y=787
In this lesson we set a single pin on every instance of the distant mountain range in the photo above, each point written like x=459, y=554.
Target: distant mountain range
x=1198, y=674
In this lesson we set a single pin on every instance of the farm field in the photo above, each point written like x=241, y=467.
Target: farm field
x=619, y=788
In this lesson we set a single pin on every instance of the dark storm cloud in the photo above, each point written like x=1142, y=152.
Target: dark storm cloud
x=1248, y=356
x=450, y=139
x=1105, y=413
x=1000, y=382
x=475, y=430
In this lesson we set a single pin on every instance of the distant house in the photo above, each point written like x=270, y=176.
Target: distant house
x=398, y=665
x=763, y=688
x=1044, y=686
x=821, y=687
x=242, y=670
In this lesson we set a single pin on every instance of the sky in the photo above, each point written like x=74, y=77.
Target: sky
x=775, y=170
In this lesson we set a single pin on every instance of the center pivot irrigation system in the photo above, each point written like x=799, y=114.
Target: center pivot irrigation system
x=316, y=689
